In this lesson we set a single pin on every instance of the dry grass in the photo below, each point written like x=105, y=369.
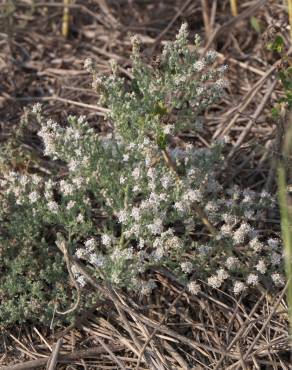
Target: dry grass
x=170, y=329
x=211, y=331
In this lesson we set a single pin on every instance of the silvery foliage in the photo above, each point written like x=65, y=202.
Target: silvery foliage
x=142, y=196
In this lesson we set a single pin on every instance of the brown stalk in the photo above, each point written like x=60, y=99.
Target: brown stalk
x=75, y=356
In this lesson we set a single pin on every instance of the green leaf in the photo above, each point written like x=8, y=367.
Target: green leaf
x=160, y=109
x=275, y=112
x=286, y=221
x=161, y=141
x=277, y=45
x=255, y=23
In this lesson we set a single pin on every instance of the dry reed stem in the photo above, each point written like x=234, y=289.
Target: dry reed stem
x=233, y=7
x=66, y=19
x=290, y=16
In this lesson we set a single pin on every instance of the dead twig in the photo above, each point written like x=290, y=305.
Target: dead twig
x=52, y=362
x=101, y=111
x=206, y=18
x=110, y=352
x=63, y=247
x=77, y=355
x=157, y=328
x=229, y=24
x=253, y=119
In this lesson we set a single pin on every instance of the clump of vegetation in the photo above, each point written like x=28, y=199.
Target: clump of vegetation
x=140, y=197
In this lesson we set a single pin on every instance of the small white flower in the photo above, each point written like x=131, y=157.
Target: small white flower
x=239, y=287
x=146, y=141
x=168, y=129
x=90, y=244
x=89, y=65
x=193, y=195
x=37, y=108
x=211, y=55
x=204, y=249
x=273, y=243
x=78, y=181
x=106, y=240
x=75, y=271
x=256, y=245
x=3, y=183
x=229, y=218
x=252, y=279
x=49, y=185
x=173, y=243
x=265, y=194
x=96, y=260
x=180, y=206
x=115, y=277
x=182, y=33
x=70, y=205
x=241, y=233
x=136, y=173
x=73, y=164
x=211, y=207
x=261, y=267
x=80, y=218
x=153, y=201
x=48, y=195
x=141, y=243
x=148, y=161
x=222, y=274
x=80, y=253
x=194, y=288
x=231, y=263
x=166, y=181
x=223, y=68
x=36, y=180
x=24, y=180
x=158, y=253
x=221, y=84
x=276, y=259
x=53, y=206
x=199, y=66
x=151, y=173
x=249, y=214
x=81, y=120
x=200, y=90
x=122, y=216
x=147, y=287
x=122, y=179
x=126, y=157
x=136, y=213
x=34, y=197
x=226, y=230
x=81, y=280
x=278, y=280
x=136, y=189
x=156, y=227
x=66, y=188
x=215, y=282
x=186, y=267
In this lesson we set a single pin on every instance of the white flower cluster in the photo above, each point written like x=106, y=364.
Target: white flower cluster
x=217, y=280
x=88, y=252
x=194, y=288
x=81, y=280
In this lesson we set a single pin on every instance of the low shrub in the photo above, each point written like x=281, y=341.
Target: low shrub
x=146, y=194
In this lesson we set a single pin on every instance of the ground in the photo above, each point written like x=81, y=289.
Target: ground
x=169, y=329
